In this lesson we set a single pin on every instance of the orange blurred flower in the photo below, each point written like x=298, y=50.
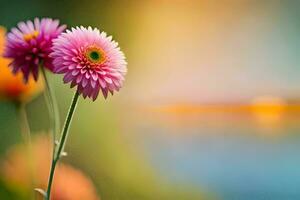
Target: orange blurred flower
x=19, y=173
x=12, y=86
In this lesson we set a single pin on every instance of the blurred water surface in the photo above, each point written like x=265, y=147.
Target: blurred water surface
x=233, y=155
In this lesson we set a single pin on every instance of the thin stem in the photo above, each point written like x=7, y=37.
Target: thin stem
x=52, y=107
x=62, y=142
x=25, y=130
x=26, y=135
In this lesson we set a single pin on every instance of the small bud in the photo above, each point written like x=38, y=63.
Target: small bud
x=41, y=191
x=63, y=154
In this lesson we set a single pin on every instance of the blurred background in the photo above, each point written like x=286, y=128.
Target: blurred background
x=210, y=108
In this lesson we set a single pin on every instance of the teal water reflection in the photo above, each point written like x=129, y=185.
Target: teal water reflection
x=232, y=155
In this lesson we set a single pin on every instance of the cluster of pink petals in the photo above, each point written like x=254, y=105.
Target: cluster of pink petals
x=70, y=58
x=29, y=45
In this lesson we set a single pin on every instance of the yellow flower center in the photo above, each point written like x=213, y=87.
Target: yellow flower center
x=29, y=36
x=95, y=55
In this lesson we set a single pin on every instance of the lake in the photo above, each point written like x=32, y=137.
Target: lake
x=232, y=154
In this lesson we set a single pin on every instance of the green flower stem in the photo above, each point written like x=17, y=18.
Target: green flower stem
x=26, y=135
x=52, y=106
x=25, y=130
x=62, y=142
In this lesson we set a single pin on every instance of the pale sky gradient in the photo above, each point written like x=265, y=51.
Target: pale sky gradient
x=215, y=52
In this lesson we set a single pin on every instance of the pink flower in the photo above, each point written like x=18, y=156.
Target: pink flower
x=89, y=60
x=30, y=44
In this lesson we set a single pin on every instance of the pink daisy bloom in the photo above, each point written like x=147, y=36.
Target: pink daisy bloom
x=29, y=45
x=89, y=60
